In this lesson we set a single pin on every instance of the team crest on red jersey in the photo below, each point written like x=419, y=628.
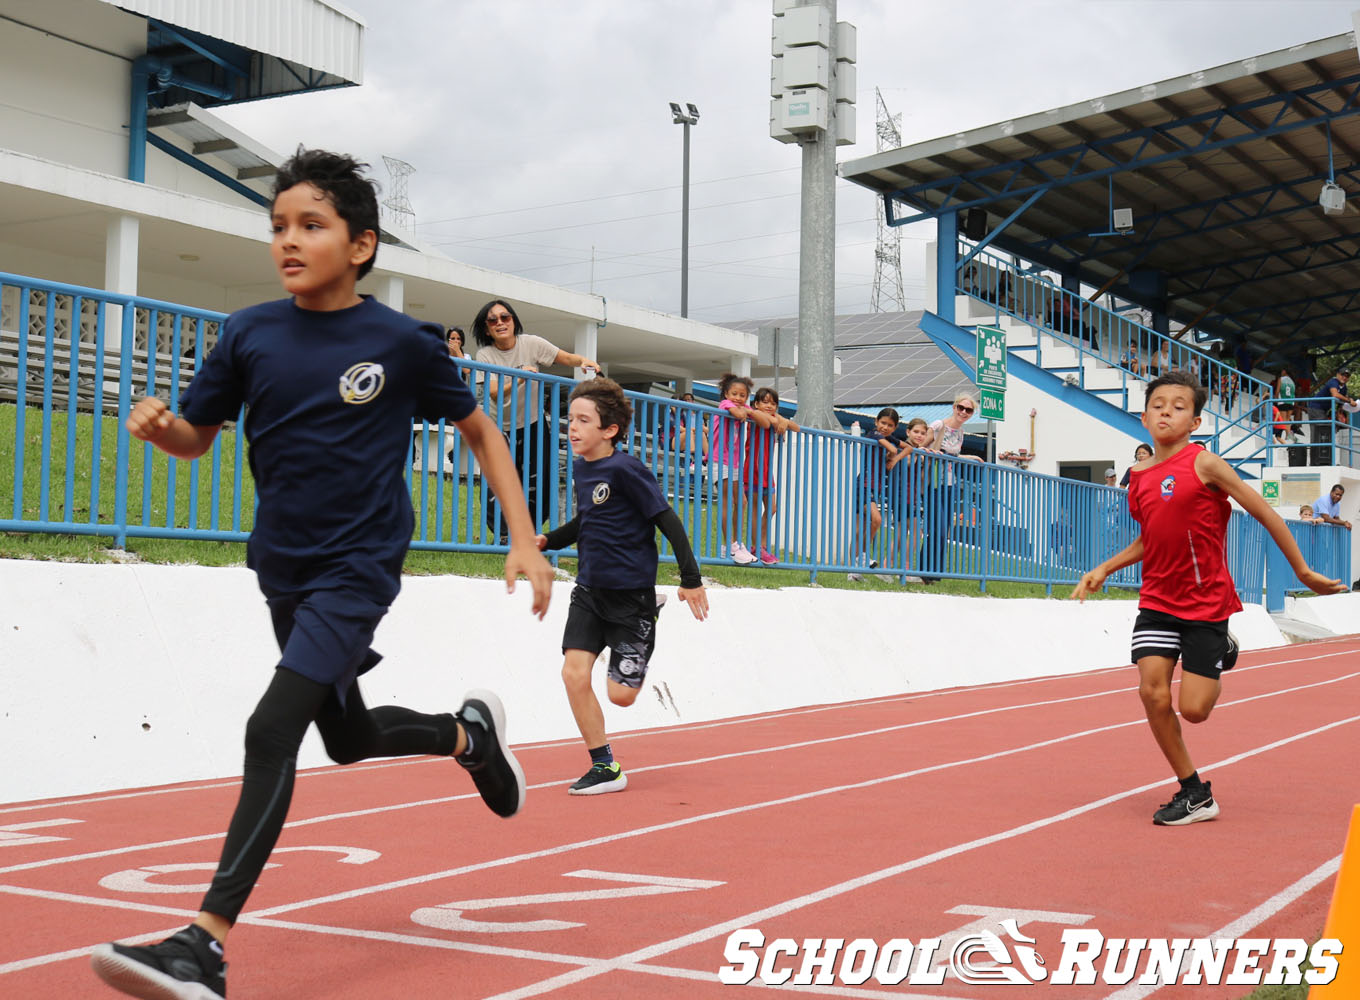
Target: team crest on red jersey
x=1168, y=487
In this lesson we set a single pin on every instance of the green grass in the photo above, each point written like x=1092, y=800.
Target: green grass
x=71, y=473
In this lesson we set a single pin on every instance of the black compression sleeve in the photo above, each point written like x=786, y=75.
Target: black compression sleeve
x=564, y=535
x=674, y=531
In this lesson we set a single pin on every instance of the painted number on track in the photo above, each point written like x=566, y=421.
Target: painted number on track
x=449, y=916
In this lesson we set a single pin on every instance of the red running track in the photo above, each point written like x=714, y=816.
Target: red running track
x=920, y=816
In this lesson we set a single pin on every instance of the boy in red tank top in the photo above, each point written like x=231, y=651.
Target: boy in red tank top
x=1180, y=498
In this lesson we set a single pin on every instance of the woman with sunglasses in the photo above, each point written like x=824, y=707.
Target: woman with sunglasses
x=501, y=340
x=946, y=437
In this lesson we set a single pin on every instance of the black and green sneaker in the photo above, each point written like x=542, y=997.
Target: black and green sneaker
x=599, y=779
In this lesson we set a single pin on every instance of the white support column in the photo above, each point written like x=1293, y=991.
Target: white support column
x=587, y=345
x=120, y=275
x=740, y=364
x=391, y=291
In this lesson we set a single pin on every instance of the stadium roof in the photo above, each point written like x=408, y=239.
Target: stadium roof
x=1222, y=169
x=885, y=360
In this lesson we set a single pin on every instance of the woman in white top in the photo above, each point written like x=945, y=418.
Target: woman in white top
x=946, y=437
x=501, y=340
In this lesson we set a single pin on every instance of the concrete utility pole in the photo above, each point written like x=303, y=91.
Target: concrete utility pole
x=813, y=90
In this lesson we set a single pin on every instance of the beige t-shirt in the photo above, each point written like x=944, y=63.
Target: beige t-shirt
x=528, y=350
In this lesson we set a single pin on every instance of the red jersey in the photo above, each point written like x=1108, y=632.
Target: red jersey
x=1185, y=567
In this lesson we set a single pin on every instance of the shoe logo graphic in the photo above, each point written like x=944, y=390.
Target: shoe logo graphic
x=997, y=964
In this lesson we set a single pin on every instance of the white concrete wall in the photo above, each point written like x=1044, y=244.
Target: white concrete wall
x=130, y=675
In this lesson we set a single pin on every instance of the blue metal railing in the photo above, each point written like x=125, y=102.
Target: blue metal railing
x=1094, y=331
x=812, y=500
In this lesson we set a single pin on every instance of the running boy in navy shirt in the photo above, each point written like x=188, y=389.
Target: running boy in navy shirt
x=331, y=383
x=1180, y=498
x=618, y=509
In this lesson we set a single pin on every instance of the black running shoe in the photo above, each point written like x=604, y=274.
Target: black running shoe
x=494, y=769
x=1193, y=805
x=186, y=966
x=1230, y=654
x=599, y=779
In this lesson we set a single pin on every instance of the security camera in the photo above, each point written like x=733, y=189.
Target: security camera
x=1123, y=220
x=1332, y=198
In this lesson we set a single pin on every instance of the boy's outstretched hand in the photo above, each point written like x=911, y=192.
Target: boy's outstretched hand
x=524, y=560
x=1090, y=583
x=149, y=419
x=696, y=598
x=1319, y=584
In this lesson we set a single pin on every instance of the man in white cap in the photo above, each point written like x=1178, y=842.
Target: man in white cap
x=1110, y=477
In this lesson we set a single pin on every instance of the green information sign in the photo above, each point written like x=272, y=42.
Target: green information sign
x=1270, y=489
x=992, y=405
x=991, y=359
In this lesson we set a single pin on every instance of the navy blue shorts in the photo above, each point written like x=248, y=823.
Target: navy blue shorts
x=325, y=635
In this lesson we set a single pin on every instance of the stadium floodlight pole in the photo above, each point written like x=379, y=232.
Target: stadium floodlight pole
x=686, y=116
x=817, y=269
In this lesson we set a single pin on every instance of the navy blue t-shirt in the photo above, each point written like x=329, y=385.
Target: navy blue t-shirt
x=616, y=500
x=329, y=400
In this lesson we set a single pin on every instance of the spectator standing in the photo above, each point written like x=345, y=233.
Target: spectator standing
x=726, y=448
x=1140, y=454
x=501, y=340
x=1327, y=509
x=872, y=485
x=946, y=438
x=758, y=473
x=1333, y=397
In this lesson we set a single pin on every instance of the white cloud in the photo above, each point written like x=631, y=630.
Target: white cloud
x=540, y=130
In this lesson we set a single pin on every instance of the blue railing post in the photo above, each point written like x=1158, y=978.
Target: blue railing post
x=122, y=457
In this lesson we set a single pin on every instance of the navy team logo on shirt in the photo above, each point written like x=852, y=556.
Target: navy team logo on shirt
x=600, y=493
x=1168, y=487
x=362, y=382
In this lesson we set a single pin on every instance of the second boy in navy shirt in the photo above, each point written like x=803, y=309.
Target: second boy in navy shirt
x=619, y=507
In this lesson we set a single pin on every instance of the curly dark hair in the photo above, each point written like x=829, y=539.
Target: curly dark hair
x=340, y=178
x=610, y=403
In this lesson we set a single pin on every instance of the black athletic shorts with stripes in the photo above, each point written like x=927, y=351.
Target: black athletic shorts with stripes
x=623, y=620
x=1200, y=646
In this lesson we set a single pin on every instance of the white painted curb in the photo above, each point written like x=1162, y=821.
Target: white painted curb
x=117, y=676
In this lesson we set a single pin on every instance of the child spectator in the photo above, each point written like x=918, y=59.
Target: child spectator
x=725, y=450
x=619, y=508
x=758, y=472
x=687, y=433
x=1180, y=498
x=329, y=536
x=911, y=490
x=1306, y=515
x=872, y=486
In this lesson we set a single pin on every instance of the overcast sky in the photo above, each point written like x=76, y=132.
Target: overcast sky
x=541, y=136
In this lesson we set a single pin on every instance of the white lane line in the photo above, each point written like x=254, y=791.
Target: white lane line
x=353, y=814
x=638, y=961
x=637, y=733
x=1254, y=918
x=756, y=917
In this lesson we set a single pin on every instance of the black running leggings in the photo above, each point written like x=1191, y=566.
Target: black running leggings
x=273, y=735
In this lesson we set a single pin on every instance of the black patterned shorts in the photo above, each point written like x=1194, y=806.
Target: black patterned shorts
x=623, y=620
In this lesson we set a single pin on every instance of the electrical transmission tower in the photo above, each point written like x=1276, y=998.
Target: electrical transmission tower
x=888, y=246
x=397, y=203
